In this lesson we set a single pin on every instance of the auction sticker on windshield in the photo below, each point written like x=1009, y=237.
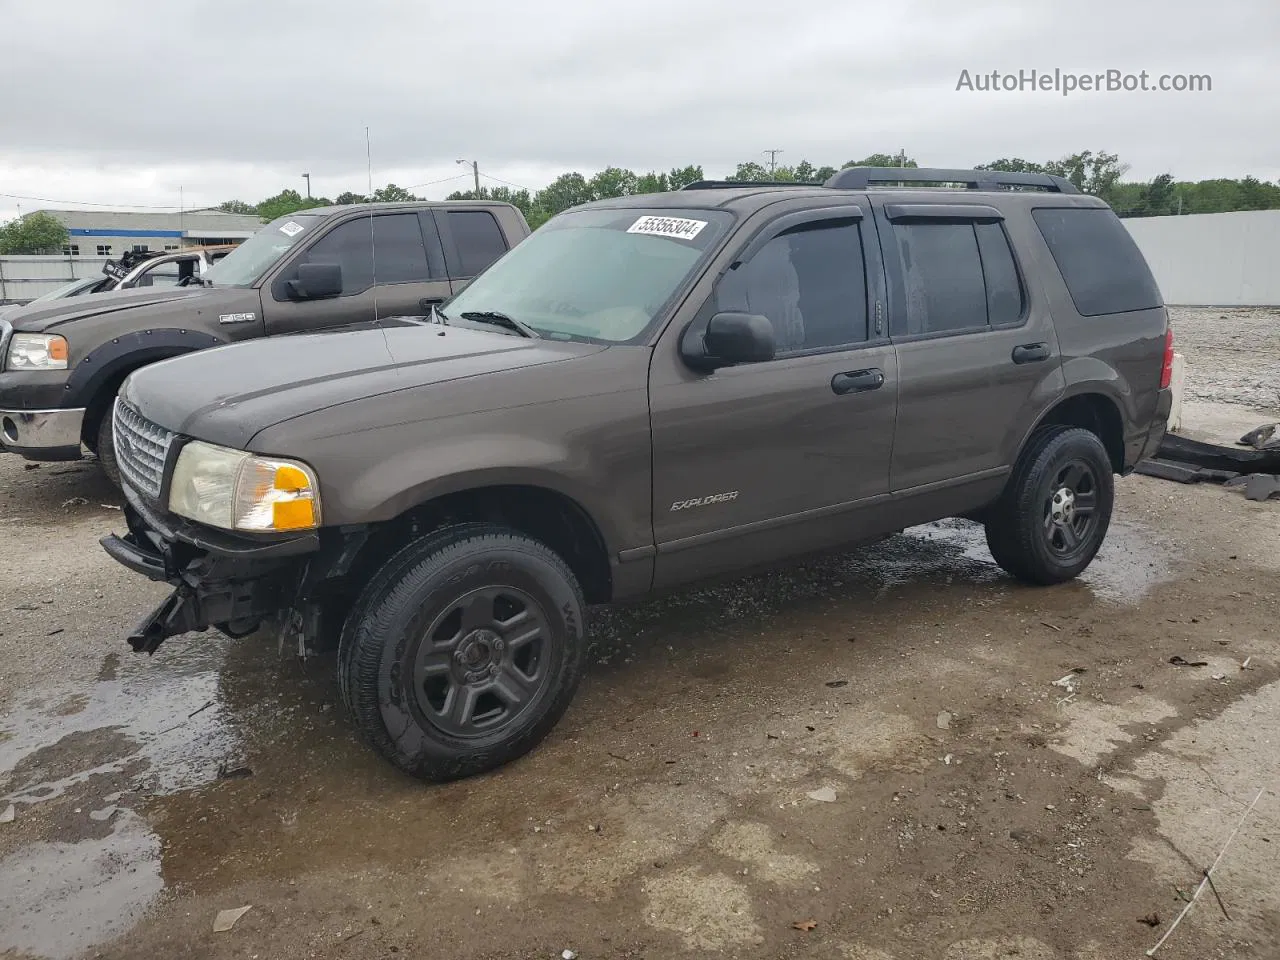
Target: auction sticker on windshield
x=677, y=227
x=292, y=229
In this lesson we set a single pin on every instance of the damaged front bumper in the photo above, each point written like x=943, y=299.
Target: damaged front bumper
x=220, y=580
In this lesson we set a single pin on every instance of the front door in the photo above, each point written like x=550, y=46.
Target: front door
x=762, y=460
x=392, y=265
x=974, y=353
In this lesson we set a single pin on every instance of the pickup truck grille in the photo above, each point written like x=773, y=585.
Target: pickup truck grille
x=142, y=448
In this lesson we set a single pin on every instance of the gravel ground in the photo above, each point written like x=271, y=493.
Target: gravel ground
x=1001, y=771
x=1233, y=354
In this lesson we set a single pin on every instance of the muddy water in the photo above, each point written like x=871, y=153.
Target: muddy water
x=128, y=766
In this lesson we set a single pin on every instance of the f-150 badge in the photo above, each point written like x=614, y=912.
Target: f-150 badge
x=237, y=318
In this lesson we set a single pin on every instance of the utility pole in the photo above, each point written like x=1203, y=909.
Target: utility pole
x=902, y=157
x=307, y=177
x=475, y=172
x=773, y=159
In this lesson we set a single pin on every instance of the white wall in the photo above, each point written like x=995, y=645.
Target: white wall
x=1213, y=259
x=24, y=278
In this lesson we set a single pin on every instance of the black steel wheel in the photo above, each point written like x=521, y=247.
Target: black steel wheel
x=463, y=651
x=1054, y=513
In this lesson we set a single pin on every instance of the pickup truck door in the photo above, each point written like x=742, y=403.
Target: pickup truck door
x=472, y=240
x=392, y=265
x=759, y=461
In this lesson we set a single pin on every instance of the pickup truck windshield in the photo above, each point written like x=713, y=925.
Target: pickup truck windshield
x=246, y=263
x=599, y=275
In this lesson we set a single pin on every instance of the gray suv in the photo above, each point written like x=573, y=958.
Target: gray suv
x=648, y=391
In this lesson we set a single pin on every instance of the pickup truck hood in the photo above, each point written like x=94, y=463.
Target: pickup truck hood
x=38, y=318
x=228, y=394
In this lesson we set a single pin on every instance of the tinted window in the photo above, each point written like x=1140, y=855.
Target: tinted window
x=809, y=282
x=478, y=239
x=1004, y=291
x=401, y=257
x=943, y=273
x=1102, y=266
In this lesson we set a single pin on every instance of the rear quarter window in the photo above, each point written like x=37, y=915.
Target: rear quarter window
x=1103, y=268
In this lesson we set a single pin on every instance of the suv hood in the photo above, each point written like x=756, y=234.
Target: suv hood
x=228, y=394
x=37, y=318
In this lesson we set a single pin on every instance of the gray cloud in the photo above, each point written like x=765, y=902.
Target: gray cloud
x=123, y=102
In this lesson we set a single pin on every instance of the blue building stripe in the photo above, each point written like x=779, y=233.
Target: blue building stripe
x=81, y=232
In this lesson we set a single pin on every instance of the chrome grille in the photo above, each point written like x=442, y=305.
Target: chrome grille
x=142, y=447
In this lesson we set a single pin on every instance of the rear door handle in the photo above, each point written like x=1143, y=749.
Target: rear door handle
x=1031, y=353
x=858, y=381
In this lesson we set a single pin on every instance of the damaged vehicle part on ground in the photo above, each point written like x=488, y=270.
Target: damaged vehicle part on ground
x=648, y=391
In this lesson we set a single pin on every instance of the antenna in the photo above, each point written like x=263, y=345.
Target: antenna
x=373, y=244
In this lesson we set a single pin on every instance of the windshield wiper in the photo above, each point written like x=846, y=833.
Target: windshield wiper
x=501, y=320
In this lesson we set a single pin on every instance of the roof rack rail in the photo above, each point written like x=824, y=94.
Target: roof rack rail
x=860, y=178
x=733, y=184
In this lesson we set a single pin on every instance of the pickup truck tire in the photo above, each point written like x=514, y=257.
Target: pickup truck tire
x=463, y=651
x=107, y=449
x=1056, y=508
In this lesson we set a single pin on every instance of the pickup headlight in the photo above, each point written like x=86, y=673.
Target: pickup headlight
x=236, y=490
x=37, y=351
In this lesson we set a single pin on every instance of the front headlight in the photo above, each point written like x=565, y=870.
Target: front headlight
x=236, y=490
x=37, y=351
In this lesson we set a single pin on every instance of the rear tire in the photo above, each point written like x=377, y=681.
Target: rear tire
x=1054, y=513
x=463, y=651
x=107, y=448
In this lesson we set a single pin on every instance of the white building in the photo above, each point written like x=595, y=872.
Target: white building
x=109, y=233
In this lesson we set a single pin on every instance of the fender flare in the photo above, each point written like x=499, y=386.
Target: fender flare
x=126, y=353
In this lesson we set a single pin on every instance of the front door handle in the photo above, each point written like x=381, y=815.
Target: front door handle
x=426, y=303
x=1031, y=353
x=858, y=381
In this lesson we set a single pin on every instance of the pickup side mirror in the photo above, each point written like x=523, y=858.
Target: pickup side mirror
x=316, y=281
x=729, y=339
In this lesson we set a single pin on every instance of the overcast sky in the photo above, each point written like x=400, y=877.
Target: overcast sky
x=127, y=102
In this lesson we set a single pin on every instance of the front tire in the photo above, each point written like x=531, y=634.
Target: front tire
x=1054, y=513
x=463, y=651
x=107, y=448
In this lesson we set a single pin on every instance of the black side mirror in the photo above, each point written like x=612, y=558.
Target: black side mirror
x=730, y=338
x=316, y=281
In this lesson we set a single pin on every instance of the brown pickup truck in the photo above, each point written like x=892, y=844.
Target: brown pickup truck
x=62, y=362
x=647, y=391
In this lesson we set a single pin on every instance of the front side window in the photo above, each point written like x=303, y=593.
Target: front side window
x=391, y=244
x=811, y=284
x=597, y=275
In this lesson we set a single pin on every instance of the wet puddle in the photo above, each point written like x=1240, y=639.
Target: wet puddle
x=71, y=762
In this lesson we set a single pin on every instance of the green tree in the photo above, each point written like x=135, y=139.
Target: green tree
x=680, y=177
x=1095, y=173
x=565, y=191
x=1012, y=165
x=612, y=182
x=750, y=171
x=392, y=194
x=882, y=160
x=35, y=233
x=237, y=206
x=286, y=202
x=347, y=197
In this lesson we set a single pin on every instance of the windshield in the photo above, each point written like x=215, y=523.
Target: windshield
x=68, y=289
x=246, y=263
x=599, y=275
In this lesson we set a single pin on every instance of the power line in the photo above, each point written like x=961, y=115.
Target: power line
x=773, y=159
x=87, y=203
x=507, y=183
x=432, y=183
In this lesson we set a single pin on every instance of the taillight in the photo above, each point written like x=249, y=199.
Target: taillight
x=1166, y=371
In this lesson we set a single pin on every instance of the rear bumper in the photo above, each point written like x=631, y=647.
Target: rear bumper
x=221, y=582
x=1159, y=426
x=42, y=434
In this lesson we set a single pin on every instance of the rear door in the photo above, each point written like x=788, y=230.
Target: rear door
x=392, y=265
x=974, y=352
x=472, y=240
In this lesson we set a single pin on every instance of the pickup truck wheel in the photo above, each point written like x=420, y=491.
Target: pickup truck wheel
x=107, y=449
x=463, y=651
x=1054, y=513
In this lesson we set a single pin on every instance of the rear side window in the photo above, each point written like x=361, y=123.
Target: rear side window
x=478, y=239
x=1004, y=291
x=1102, y=266
x=810, y=282
x=943, y=273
